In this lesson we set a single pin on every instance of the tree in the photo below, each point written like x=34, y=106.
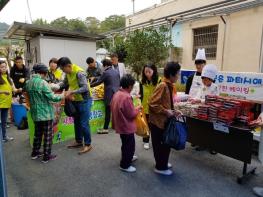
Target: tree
x=92, y=24
x=147, y=45
x=61, y=23
x=112, y=22
x=77, y=25
x=41, y=22
x=119, y=47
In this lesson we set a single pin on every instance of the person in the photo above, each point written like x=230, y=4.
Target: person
x=6, y=89
x=150, y=80
x=19, y=73
x=55, y=74
x=93, y=70
x=256, y=123
x=160, y=109
x=194, y=81
x=119, y=67
x=79, y=94
x=208, y=86
x=123, y=121
x=111, y=81
x=42, y=112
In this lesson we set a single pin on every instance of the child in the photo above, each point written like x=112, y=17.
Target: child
x=150, y=80
x=123, y=116
x=6, y=88
x=208, y=86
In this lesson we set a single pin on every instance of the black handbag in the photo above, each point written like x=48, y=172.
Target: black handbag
x=69, y=109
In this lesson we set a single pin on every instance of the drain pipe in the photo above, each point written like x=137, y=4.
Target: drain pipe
x=224, y=41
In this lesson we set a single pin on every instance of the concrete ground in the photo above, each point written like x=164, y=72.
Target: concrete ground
x=196, y=174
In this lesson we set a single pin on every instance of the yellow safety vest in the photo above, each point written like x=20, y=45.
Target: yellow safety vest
x=73, y=81
x=6, y=100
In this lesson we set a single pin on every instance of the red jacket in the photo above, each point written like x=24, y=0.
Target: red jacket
x=123, y=113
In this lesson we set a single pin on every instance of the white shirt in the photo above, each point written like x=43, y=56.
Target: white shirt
x=204, y=91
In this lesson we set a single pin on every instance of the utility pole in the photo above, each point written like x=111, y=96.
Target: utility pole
x=133, y=6
x=29, y=11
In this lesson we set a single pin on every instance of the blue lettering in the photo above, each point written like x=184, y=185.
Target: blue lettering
x=230, y=79
x=247, y=80
x=238, y=80
x=257, y=81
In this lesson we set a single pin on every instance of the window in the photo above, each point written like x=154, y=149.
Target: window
x=206, y=37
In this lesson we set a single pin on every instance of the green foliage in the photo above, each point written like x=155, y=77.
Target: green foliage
x=89, y=25
x=119, y=47
x=112, y=22
x=147, y=45
x=41, y=22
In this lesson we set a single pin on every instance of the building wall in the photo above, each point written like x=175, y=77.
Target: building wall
x=242, y=41
x=239, y=41
x=34, y=55
x=165, y=9
x=76, y=50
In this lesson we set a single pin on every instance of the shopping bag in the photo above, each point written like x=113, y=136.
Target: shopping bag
x=175, y=134
x=70, y=109
x=142, y=125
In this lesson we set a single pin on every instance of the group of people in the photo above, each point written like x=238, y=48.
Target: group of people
x=46, y=85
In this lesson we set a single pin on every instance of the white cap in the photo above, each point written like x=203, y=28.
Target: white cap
x=209, y=71
x=200, y=55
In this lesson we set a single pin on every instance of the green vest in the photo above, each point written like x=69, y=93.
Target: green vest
x=147, y=93
x=73, y=81
x=5, y=100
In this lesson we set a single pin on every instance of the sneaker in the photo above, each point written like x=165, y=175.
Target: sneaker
x=134, y=158
x=49, y=158
x=35, y=156
x=7, y=125
x=169, y=165
x=75, y=145
x=258, y=191
x=85, y=149
x=164, y=172
x=146, y=146
x=103, y=131
x=129, y=169
x=8, y=139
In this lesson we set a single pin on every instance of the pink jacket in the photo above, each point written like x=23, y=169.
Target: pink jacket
x=123, y=113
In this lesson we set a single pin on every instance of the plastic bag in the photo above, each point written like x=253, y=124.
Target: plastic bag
x=175, y=134
x=142, y=125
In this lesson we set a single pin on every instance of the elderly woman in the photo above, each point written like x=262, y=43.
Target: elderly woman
x=160, y=109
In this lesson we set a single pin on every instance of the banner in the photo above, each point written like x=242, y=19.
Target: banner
x=63, y=126
x=242, y=85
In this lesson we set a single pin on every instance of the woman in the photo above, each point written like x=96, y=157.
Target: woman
x=111, y=81
x=6, y=88
x=150, y=79
x=54, y=74
x=123, y=116
x=160, y=109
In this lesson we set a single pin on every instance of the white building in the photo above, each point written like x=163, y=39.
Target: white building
x=44, y=43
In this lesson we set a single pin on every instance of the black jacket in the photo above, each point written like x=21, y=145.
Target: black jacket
x=111, y=80
x=16, y=74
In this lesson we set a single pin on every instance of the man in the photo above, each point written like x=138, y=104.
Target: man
x=194, y=82
x=80, y=96
x=93, y=71
x=111, y=81
x=42, y=111
x=19, y=73
x=119, y=67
